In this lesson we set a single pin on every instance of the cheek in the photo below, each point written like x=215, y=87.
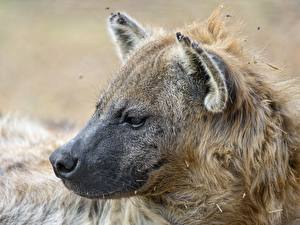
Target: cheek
x=143, y=150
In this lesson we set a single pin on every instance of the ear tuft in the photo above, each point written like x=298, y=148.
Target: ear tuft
x=117, y=18
x=183, y=39
x=200, y=61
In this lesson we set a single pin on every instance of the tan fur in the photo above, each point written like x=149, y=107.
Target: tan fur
x=240, y=167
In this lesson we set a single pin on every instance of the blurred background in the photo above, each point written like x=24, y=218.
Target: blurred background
x=56, y=55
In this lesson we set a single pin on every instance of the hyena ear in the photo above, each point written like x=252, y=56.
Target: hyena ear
x=126, y=33
x=198, y=61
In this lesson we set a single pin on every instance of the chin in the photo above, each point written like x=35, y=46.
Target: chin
x=99, y=193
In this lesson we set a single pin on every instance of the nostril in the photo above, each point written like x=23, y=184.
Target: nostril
x=65, y=166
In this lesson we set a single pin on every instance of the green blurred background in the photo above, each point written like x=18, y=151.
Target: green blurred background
x=56, y=55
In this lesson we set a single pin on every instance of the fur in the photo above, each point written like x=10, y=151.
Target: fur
x=236, y=164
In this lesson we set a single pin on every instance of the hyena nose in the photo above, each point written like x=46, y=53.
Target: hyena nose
x=64, y=165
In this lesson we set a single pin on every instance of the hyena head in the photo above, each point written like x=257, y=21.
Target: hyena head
x=165, y=85
x=185, y=112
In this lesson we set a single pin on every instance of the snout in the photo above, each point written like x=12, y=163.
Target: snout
x=64, y=164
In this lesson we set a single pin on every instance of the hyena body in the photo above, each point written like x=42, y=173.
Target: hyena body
x=187, y=133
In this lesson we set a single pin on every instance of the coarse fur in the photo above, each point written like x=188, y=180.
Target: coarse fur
x=224, y=131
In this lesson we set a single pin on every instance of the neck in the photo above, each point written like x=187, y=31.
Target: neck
x=129, y=211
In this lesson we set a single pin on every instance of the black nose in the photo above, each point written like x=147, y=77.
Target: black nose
x=64, y=165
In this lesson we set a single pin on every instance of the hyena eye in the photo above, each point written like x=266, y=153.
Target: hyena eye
x=135, y=122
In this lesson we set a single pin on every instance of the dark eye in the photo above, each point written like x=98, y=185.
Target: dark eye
x=135, y=122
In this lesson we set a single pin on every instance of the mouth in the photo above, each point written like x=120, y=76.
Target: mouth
x=115, y=189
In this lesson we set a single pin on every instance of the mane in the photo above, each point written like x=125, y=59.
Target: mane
x=265, y=106
x=213, y=31
x=216, y=33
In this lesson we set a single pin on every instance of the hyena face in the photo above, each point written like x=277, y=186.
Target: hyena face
x=142, y=122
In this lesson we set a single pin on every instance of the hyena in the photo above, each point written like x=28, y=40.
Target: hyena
x=190, y=132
